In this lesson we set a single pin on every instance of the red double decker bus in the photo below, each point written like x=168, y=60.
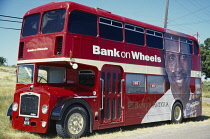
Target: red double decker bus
x=81, y=69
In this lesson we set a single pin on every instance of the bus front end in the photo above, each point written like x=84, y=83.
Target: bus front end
x=36, y=96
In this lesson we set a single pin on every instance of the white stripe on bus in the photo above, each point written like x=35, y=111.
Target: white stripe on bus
x=131, y=68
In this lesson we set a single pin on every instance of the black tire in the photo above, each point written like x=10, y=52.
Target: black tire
x=177, y=113
x=73, y=124
x=10, y=119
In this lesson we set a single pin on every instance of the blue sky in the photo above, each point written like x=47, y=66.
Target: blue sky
x=187, y=16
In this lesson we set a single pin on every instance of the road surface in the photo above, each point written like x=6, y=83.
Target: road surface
x=190, y=130
x=206, y=99
x=195, y=128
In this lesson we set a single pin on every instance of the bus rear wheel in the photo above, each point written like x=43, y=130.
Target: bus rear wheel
x=177, y=113
x=74, y=123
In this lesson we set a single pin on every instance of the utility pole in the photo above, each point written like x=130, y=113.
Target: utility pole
x=197, y=36
x=166, y=14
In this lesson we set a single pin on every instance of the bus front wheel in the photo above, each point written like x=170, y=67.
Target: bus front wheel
x=177, y=113
x=74, y=123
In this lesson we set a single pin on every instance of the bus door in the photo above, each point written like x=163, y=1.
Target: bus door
x=112, y=98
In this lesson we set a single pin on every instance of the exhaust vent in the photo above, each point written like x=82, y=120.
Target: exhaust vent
x=21, y=48
x=58, y=45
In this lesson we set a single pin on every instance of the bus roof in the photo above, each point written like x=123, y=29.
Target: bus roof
x=103, y=13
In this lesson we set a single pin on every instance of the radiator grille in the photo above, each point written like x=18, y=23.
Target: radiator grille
x=29, y=105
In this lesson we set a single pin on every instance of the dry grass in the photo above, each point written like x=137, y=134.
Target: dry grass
x=7, y=88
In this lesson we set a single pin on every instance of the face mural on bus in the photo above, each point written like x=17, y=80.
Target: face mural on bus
x=183, y=97
x=178, y=65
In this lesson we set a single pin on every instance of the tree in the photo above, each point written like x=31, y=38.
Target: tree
x=3, y=61
x=205, y=57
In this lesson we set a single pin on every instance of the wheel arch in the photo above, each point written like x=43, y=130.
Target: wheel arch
x=175, y=101
x=59, y=112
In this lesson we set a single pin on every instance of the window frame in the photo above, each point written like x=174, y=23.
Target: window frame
x=136, y=31
x=111, y=20
x=111, y=25
x=154, y=35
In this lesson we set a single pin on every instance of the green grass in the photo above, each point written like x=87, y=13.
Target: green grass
x=7, y=89
x=206, y=89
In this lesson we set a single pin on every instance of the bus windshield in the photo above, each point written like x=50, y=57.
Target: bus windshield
x=25, y=73
x=53, y=21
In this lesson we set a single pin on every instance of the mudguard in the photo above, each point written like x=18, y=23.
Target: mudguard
x=58, y=112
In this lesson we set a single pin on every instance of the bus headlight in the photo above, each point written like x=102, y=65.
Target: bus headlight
x=14, y=106
x=44, y=109
x=44, y=123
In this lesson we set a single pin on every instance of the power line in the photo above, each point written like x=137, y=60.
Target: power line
x=190, y=31
x=10, y=16
x=7, y=16
x=201, y=6
x=183, y=26
x=190, y=13
x=189, y=10
x=191, y=23
x=10, y=21
x=9, y=28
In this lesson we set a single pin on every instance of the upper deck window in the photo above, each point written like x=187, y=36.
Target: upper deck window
x=190, y=43
x=171, y=43
x=111, y=29
x=196, y=49
x=185, y=46
x=134, y=34
x=82, y=23
x=53, y=21
x=30, y=25
x=154, y=39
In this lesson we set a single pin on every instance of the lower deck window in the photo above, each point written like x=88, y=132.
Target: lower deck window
x=155, y=84
x=87, y=78
x=135, y=84
x=48, y=74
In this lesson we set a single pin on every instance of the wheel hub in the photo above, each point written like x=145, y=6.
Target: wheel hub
x=75, y=123
x=177, y=113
